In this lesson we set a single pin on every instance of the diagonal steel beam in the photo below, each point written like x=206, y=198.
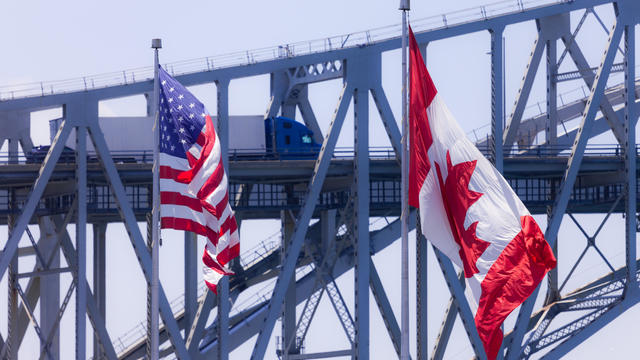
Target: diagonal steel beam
x=46, y=170
x=297, y=239
x=523, y=94
x=137, y=241
x=568, y=180
x=590, y=329
x=447, y=325
x=589, y=78
x=457, y=291
x=389, y=122
x=384, y=305
x=308, y=115
x=68, y=250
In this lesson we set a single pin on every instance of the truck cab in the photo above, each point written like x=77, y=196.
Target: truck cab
x=289, y=139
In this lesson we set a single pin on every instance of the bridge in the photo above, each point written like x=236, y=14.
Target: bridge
x=341, y=207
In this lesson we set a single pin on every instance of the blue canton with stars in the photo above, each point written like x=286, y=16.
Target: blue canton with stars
x=182, y=116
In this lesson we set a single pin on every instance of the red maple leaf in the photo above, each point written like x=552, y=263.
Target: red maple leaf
x=457, y=199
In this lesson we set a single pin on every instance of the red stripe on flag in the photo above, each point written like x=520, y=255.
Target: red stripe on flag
x=227, y=254
x=212, y=182
x=222, y=205
x=167, y=172
x=212, y=287
x=201, y=140
x=175, y=198
x=187, y=225
x=213, y=264
x=229, y=225
x=422, y=93
x=511, y=279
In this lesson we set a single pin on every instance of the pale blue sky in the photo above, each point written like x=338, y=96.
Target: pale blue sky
x=46, y=40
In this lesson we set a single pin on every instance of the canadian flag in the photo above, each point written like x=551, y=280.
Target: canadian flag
x=469, y=211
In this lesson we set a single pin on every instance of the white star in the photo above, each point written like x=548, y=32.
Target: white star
x=180, y=118
x=192, y=105
x=203, y=115
x=192, y=128
x=180, y=96
x=171, y=90
x=171, y=110
x=164, y=82
x=182, y=130
x=191, y=116
x=170, y=100
x=179, y=107
x=183, y=141
x=173, y=147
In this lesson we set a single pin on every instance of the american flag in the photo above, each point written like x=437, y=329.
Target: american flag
x=193, y=183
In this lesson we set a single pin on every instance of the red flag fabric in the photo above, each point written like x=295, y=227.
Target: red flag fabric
x=469, y=211
x=193, y=183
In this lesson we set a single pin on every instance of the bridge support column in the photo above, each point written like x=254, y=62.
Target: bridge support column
x=190, y=277
x=497, y=96
x=99, y=279
x=289, y=303
x=49, y=285
x=361, y=215
x=79, y=114
x=551, y=138
x=631, y=118
x=13, y=341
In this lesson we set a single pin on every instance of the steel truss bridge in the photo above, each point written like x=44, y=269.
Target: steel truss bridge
x=327, y=206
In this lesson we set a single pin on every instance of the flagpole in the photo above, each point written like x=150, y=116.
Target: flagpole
x=156, y=44
x=404, y=215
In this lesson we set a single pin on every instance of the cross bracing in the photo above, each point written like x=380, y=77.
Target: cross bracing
x=559, y=175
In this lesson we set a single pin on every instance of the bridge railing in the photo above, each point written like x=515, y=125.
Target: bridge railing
x=240, y=58
x=346, y=153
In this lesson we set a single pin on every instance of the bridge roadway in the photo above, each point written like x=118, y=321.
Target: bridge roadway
x=281, y=184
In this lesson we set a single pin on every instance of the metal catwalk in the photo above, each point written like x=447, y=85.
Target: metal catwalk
x=326, y=205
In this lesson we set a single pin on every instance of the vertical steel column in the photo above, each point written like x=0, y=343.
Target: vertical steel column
x=190, y=277
x=81, y=238
x=422, y=339
x=222, y=89
x=497, y=97
x=99, y=279
x=13, y=151
x=361, y=214
x=551, y=130
x=12, y=304
x=49, y=286
x=551, y=138
x=630, y=158
x=328, y=231
x=289, y=303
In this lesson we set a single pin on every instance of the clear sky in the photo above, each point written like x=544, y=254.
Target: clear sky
x=46, y=41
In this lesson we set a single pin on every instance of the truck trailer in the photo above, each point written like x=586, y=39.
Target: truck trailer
x=129, y=139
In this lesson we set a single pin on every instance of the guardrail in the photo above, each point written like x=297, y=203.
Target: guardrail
x=345, y=153
x=210, y=63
